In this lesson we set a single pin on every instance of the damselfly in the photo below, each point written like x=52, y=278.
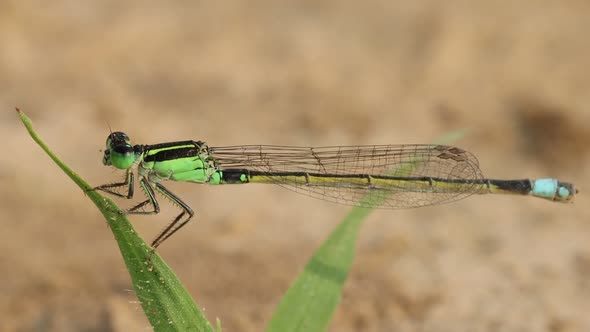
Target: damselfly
x=393, y=176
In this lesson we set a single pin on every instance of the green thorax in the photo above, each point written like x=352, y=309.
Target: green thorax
x=188, y=161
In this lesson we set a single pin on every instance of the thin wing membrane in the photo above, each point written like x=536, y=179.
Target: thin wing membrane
x=418, y=162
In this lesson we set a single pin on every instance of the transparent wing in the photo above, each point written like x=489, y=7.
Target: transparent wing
x=417, y=163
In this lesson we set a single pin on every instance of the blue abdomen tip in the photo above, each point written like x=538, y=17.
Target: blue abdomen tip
x=545, y=188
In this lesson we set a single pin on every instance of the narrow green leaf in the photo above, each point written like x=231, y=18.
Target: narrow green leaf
x=218, y=325
x=310, y=302
x=165, y=301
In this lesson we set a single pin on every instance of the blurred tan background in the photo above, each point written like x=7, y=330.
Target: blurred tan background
x=515, y=74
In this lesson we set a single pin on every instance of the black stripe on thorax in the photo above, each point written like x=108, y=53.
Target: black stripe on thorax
x=171, y=153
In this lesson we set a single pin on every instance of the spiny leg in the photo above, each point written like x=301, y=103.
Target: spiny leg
x=174, y=226
x=129, y=183
x=151, y=199
x=177, y=223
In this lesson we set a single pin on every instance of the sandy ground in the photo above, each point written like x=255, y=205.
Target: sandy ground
x=515, y=75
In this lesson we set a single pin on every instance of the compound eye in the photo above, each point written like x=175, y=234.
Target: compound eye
x=119, y=152
x=122, y=156
x=121, y=136
x=123, y=149
x=117, y=138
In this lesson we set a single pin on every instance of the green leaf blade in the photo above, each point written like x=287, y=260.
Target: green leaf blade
x=310, y=302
